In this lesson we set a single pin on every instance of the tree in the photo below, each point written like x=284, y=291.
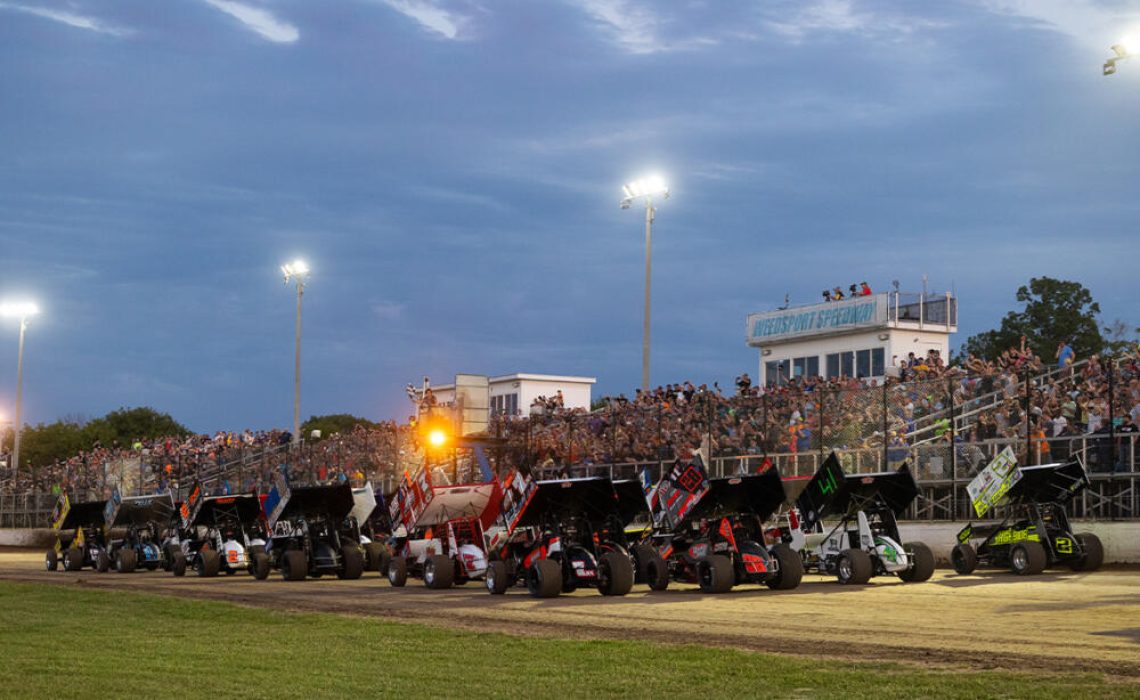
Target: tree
x=127, y=425
x=335, y=423
x=1119, y=338
x=1055, y=310
x=43, y=444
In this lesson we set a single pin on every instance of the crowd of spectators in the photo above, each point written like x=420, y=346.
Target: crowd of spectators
x=1067, y=400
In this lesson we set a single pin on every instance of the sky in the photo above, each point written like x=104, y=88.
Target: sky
x=451, y=171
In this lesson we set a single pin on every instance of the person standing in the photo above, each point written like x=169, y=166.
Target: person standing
x=1065, y=355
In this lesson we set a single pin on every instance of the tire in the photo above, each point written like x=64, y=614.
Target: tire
x=854, y=567
x=103, y=562
x=922, y=563
x=376, y=557
x=1093, y=556
x=168, y=557
x=715, y=574
x=643, y=554
x=260, y=566
x=496, y=578
x=964, y=559
x=352, y=564
x=256, y=548
x=73, y=559
x=125, y=560
x=51, y=560
x=209, y=563
x=178, y=565
x=615, y=574
x=398, y=571
x=1027, y=558
x=657, y=574
x=791, y=570
x=544, y=579
x=294, y=565
x=151, y=565
x=439, y=572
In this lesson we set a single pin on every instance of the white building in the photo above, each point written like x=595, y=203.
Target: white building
x=514, y=393
x=864, y=336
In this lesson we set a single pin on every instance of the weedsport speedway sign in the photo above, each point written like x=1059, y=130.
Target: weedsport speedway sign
x=820, y=319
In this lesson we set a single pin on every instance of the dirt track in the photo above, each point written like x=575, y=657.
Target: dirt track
x=1059, y=621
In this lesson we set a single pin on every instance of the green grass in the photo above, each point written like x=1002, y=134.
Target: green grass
x=63, y=642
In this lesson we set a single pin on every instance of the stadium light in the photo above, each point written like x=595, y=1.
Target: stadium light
x=1121, y=52
x=21, y=310
x=648, y=188
x=437, y=438
x=297, y=271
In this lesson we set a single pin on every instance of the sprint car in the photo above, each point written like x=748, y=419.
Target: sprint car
x=221, y=534
x=307, y=531
x=443, y=531
x=557, y=536
x=79, y=538
x=142, y=522
x=865, y=540
x=1035, y=532
x=711, y=531
x=369, y=516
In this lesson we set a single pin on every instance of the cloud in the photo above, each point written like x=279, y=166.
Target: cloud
x=1088, y=22
x=68, y=18
x=261, y=21
x=429, y=15
x=842, y=16
x=637, y=29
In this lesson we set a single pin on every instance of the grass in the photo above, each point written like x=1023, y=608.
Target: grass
x=63, y=642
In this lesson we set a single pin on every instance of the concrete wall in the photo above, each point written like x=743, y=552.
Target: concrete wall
x=1121, y=540
x=43, y=538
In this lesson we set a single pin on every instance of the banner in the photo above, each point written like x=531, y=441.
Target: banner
x=992, y=483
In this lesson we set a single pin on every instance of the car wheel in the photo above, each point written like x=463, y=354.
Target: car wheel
x=73, y=559
x=854, y=567
x=294, y=565
x=1093, y=553
x=496, y=578
x=615, y=574
x=715, y=575
x=921, y=563
x=178, y=564
x=964, y=559
x=544, y=578
x=790, y=571
x=353, y=563
x=397, y=571
x=125, y=560
x=439, y=572
x=51, y=560
x=1027, y=558
x=260, y=569
x=208, y=564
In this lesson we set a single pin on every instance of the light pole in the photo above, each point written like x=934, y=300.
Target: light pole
x=296, y=271
x=1120, y=52
x=20, y=310
x=646, y=187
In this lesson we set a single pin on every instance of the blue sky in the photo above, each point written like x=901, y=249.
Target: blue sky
x=451, y=170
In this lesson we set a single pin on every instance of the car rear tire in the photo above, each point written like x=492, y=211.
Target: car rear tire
x=854, y=567
x=73, y=559
x=921, y=563
x=352, y=563
x=964, y=559
x=439, y=572
x=51, y=560
x=544, y=579
x=209, y=563
x=1027, y=558
x=496, y=578
x=178, y=565
x=125, y=560
x=398, y=571
x=260, y=567
x=294, y=565
x=615, y=574
x=715, y=575
x=376, y=557
x=103, y=562
x=1093, y=556
x=657, y=573
x=791, y=568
